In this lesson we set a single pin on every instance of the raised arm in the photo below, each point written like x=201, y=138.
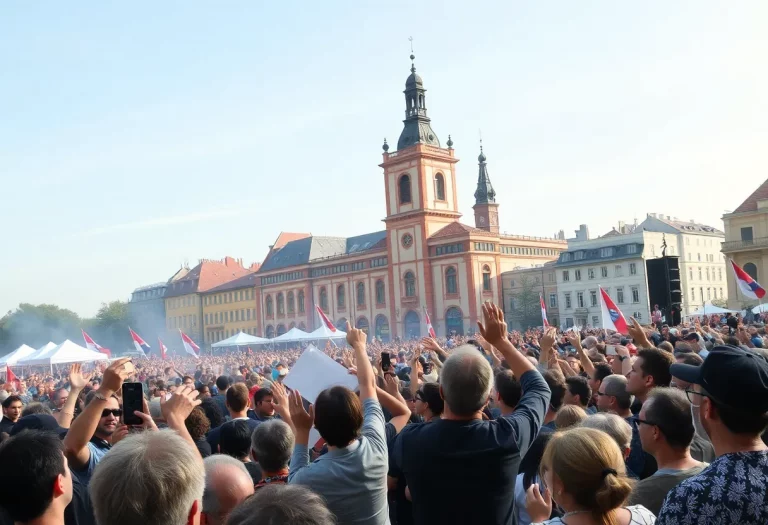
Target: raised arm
x=638, y=335
x=365, y=376
x=177, y=409
x=586, y=363
x=394, y=402
x=494, y=330
x=82, y=429
x=77, y=381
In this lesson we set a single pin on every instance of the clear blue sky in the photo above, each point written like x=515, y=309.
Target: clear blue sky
x=136, y=136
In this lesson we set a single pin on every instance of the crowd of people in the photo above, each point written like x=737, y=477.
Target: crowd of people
x=661, y=425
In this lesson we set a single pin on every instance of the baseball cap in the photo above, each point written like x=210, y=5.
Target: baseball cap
x=44, y=422
x=734, y=377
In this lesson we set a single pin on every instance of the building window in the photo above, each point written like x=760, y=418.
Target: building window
x=485, y=247
x=206, y=319
x=450, y=280
x=380, y=297
x=620, y=295
x=618, y=270
x=551, y=277
x=410, y=284
x=566, y=257
x=567, y=301
x=577, y=275
x=635, y=295
x=324, y=299
x=721, y=293
x=594, y=320
x=580, y=299
x=269, y=306
x=632, y=269
x=486, y=278
x=593, y=298
x=606, y=252
x=360, y=294
x=248, y=314
x=578, y=255
x=566, y=276
x=631, y=248
x=700, y=274
x=604, y=272
x=405, y=189
x=291, y=305
x=690, y=273
x=709, y=293
x=301, y=301
x=746, y=234
x=553, y=300
x=280, y=304
x=440, y=187
x=591, y=273
x=341, y=299
x=751, y=270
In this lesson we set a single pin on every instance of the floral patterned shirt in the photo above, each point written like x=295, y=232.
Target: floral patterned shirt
x=732, y=490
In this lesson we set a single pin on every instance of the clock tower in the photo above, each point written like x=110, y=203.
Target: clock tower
x=486, y=208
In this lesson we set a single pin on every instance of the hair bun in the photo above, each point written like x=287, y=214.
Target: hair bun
x=609, y=471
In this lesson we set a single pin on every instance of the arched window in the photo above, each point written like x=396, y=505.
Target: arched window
x=751, y=269
x=380, y=296
x=440, y=187
x=382, y=328
x=291, y=305
x=280, y=304
x=280, y=329
x=323, y=299
x=360, y=294
x=302, y=326
x=486, y=278
x=410, y=284
x=362, y=324
x=291, y=326
x=405, y=189
x=340, y=297
x=341, y=324
x=450, y=280
x=270, y=332
x=454, y=323
x=269, y=306
x=412, y=325
x=301, y=301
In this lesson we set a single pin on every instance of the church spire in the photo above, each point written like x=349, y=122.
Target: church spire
x=417, y=128
x=486, y=208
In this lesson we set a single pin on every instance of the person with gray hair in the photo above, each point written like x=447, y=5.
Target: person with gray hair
x=614, y=426
x=461, y=446
x=612, y=396
x=152, y=478
x=227, y=483
x=284, y=504
x=271, y=446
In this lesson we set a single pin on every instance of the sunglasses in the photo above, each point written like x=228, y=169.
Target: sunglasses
x=645, y=422
x=117, y=412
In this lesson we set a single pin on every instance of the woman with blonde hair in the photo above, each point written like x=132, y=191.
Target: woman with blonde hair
x=569, y=416
x=583, y=473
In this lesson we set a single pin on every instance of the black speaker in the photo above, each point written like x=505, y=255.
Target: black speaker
x=664, y=287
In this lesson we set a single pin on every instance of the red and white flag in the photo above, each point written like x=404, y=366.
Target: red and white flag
x=90, y=344
x=613, y=319
x=324, y=319
x=163, y=348
x=189, y=345
x=140, y=344
x=10, y=377
x=544, y=321
x=748, y=286
x=431, y=330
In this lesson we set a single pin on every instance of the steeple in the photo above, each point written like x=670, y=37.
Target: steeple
x=416, y=127
x=486, y=208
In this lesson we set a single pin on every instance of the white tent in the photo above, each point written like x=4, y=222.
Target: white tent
x=324, y=333
x=710, y=309
x=66, y=352
x=760, y=308
x=40, y=353
x=47, y=346
x=241, y=339
x=19, y=353
x=294, y=334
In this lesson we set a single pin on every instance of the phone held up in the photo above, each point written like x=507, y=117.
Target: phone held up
x=386, y=362
x=133, y=400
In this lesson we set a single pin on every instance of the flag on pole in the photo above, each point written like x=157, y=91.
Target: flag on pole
x=140, y=344
x=90, y=344
x=324, y=319
x=431, y=330
x=10, y=377
x=613, y=319
x=748, y=286
x=163, y=348
x=189, y=345
x=544, y=321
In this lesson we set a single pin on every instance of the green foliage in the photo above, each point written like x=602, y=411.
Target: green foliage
x=526, y=311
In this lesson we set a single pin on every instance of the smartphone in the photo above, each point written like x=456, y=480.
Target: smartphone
x=610, y=350
x=386, y=361
x=133, y=399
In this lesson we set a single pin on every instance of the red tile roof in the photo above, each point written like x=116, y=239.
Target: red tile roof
x=207, y=275
x=457, y=228
x=750, y=204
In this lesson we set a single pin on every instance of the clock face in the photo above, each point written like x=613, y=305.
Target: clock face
x=481, y=220
x=407, y=240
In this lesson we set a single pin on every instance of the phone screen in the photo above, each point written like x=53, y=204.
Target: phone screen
x=610, y=350
x=386, y=361
x=133, y=399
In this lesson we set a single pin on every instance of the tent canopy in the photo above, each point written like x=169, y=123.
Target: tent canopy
x=40, y=353
x=323, y=332
x=19, y=353
x=760, y=308
x=66, y=352
x=294, y=334
x=241, y=339
x=710, y=309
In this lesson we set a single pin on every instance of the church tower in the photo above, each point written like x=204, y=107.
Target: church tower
x=486, y=208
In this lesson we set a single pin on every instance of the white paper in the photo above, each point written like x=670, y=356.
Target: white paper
x=314, y=372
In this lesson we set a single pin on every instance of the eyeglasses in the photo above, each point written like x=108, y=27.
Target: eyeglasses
x=418, y=397
x=639, y=422
x=117, y=412
x=689, y=392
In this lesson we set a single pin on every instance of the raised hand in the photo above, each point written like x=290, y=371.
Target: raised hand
x=493, y=328
x=78, y=380
x=538, y=504
x=637, y=333
x=356, y=337
x=115, y=374
x=180, y=405
x=548, y=339
x=391, y=385
x=575, y=339
x=302, y=419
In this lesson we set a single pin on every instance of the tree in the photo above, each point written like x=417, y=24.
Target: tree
x=526, y=308
x=35, y=325
x=110, y=326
